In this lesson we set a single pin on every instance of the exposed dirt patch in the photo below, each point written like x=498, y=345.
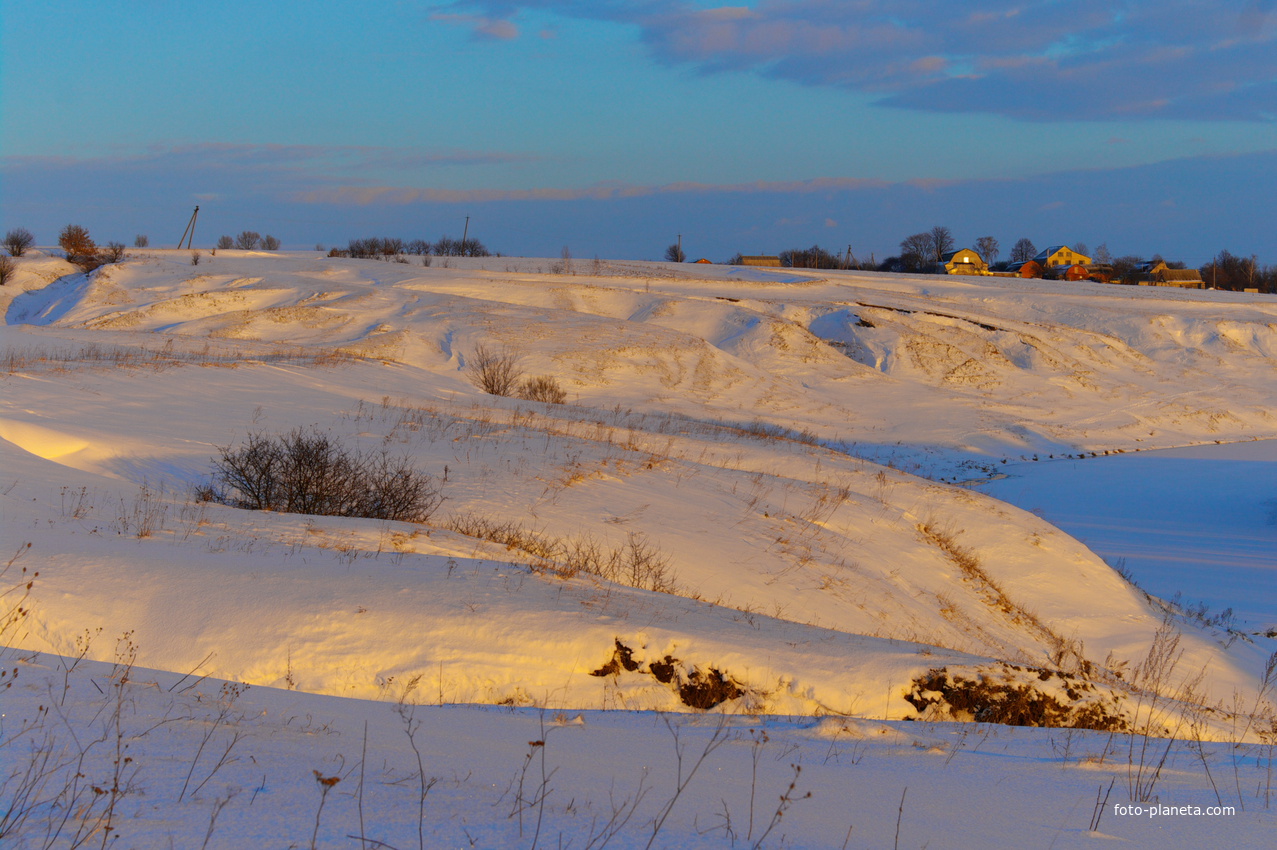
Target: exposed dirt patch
x=706, y=689
x=701, y=688
x=1017, y=696
x=622, y=659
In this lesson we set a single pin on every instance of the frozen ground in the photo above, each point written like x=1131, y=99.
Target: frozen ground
x=780, y=448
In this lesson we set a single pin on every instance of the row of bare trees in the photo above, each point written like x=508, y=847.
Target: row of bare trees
x=249, y=240
x=384, y=246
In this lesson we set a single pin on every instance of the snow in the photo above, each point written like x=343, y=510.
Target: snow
x=1197, y=521
x=851, y=480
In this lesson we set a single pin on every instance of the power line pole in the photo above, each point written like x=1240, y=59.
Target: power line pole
x=190, y=229
x=464, y=234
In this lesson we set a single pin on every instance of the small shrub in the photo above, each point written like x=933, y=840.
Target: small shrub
x=7, y=268
x=114, y=252
x=310, y=473
x=195, y=258
x=496, y=372
x=17, y=241
x=543, y=389
x=80, y=249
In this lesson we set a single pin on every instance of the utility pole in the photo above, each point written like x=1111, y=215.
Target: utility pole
x=464, y=234
x=190, y=229
x=680, y=247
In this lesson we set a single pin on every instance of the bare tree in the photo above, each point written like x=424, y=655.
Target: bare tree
x=225, y=242
x=1023, y=250
x=916, y=251
x=141, y=241
x=17, y=241
x=941, y=242
x=270, y=243
x=474, y=248
x=114, y=252
x=1102, y=254
x=1080, y=248
x=248, y=240
x=674, y=254
x=988, y=249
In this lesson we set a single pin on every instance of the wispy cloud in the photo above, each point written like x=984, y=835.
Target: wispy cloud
x=389, y=195
x=325, y=159
x=482, y=27
x=1037, y=59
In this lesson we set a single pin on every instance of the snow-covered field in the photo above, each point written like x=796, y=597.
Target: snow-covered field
x=805, y=483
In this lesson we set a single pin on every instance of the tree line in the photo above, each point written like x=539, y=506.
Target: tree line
x=383, y=246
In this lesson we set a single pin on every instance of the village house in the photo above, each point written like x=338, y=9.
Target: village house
x=1028, y=268
x=1060, y=255
x=965, y=261
x=1157, y=273
x=1076, y=271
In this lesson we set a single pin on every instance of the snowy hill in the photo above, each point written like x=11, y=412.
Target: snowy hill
x=769, y=458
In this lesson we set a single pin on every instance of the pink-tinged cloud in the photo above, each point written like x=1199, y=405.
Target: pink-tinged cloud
x=390, y=195
x=1039, y=60
x=496, y=29
x=277, y=159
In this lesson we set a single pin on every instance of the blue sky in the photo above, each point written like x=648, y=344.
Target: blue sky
x=614, y=127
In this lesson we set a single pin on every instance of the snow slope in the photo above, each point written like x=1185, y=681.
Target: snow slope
x=733, y=424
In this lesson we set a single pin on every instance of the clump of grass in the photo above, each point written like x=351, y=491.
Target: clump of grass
x=543, y=388
x=636, y=562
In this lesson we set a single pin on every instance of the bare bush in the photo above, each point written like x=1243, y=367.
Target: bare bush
x=141, y=241
x=496, y=372
x=7, y=268
x=225, y=242
x=270, y=243
x=17, y=241
x=114, y=252
x=310, y=473
x=543, y=388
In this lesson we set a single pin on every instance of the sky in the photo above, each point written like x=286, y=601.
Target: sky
x=616, y=128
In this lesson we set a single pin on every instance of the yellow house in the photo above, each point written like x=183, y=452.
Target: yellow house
x=1061, y=255
x=965, y=261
